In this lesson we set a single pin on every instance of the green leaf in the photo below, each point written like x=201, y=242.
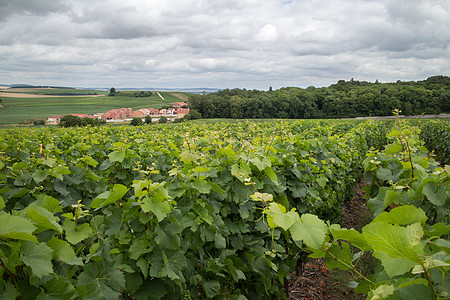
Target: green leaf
x=385, y=174
x=108, y=197
x=103, y=278
x=42, y=218
x=339, y=258
x=258, y=163
x=376, y=204
x=271, y=174
x=139, y=247
x=57, y=288
x=212, y=288
x=394, y=266
x=239, y=173
x=116, y=156
x=39, y=176
x=75, y=234
x=403, y=215
x=219, y=241
x=188, y=157
x=277, y=216
x=202, y=186
x=393, y=148
x=167, y=236
x=61, y=250
x=38, y=257
x=350, y=235
x=90, y=161
x=168, y=263
x=2, y=203
x=435, y=194
x=8, y=291
x=50, y=162
x=322, y=180
x=412, y=292
x=311, y=230
x=158, y=204
x=382, y=292
x=15, y=227
x=394, y=240
x=51, y=204
x=154, y=289
x=437, y=230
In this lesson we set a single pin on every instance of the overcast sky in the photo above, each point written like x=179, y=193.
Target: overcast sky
x=221, y=43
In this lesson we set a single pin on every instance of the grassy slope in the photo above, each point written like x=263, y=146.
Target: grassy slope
x=16, y=110
x=54, y=91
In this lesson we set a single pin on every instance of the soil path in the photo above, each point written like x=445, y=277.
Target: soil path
x=316, y=281
x=160, y=96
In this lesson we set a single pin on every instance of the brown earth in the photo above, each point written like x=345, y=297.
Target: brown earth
x=316, y=281
x=180, y=96
x=24, y=95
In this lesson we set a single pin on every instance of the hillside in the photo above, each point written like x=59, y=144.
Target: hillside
x=21, y=104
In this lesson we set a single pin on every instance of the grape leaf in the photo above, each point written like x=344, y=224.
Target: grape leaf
x=310, y=230
x=42, y=218
x=402, y=215
x=57, y=288
x=76, y=234
x=104, y=278
x=38, y=257
x=394, y=240
x=62, y=250
x=15, y=227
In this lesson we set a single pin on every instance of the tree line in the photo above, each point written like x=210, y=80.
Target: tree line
x=344, y=99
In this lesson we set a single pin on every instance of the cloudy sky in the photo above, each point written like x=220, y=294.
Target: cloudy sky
x=221, y=43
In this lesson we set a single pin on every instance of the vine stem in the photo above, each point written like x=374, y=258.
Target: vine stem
x=13, y=276
x=430, y=282
x=349, y=266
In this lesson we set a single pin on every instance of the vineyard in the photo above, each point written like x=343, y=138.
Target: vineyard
x=221, y=211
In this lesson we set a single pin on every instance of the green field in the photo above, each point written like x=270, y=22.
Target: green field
x=16, y=110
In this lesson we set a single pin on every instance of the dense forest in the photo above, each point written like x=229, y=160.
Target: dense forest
x=344, y=99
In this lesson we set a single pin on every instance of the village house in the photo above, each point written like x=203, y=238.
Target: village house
x=117, y=114
x=181, y=112
x=178, y=104
x=121, y=114
x=54, y=120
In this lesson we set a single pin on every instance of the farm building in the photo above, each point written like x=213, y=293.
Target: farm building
x=118, y=114
x=178, y=104
x=181, y=112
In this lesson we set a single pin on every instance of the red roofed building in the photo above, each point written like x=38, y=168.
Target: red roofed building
x=181, y=112
x=178, y=104
x=118, y=114
x=54, y=120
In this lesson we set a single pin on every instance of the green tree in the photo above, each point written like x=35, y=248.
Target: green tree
x=162, y=120
x=193, y=115
x=70, y=121
x=89, y=121
x=39, y=122
x=112, y=92
x=136, y=122
x=148, y=119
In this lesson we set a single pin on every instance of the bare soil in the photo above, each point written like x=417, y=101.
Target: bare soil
x=316, y=281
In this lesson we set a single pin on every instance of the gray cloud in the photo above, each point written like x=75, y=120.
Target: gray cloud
x=245, y=43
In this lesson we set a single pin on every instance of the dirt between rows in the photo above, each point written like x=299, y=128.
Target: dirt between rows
x=316, y=281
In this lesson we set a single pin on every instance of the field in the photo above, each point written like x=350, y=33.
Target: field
x=220, y=210
x=42, y=103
